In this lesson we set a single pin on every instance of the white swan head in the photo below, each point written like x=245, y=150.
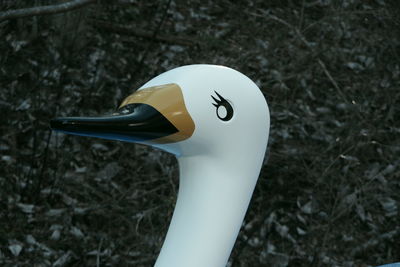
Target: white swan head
x=216, y=121
x=195, y=109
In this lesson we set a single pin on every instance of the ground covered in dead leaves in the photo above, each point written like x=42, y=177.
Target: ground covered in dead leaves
x=328, y=194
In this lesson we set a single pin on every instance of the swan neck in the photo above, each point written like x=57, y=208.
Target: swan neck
x=212, y=201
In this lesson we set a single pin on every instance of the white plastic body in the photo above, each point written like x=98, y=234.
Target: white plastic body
x=219, y=164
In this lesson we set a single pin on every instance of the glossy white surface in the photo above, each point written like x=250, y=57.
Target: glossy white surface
x=219, y=164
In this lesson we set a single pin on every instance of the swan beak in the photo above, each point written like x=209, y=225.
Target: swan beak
x=155, y=115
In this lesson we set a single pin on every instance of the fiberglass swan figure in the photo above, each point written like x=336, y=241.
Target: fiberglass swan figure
x=216, y=121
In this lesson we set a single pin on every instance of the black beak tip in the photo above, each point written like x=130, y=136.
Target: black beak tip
x=57, y=124
x=143, y=123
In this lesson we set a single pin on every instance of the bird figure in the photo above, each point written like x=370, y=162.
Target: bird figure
x=215, y=120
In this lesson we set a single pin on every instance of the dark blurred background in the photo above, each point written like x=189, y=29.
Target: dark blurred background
x=328, y=195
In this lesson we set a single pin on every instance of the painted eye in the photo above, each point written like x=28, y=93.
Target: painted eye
x=224, y=109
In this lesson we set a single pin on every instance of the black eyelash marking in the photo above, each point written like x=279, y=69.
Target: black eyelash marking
x=222, y=102
x=218, y=101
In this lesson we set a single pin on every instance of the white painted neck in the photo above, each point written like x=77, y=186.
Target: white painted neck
x=212, y=201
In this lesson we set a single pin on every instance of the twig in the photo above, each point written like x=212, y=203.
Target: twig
x=328, y=74
x=122, y=29
x=99, y=252
x=153, y=36
x=44, y=166
x=309, y=46
x=45, y=10
x=320, y=62
x=126, y=2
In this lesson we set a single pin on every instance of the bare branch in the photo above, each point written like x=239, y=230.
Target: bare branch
x=126, y=2
x=45, y=10
x=309, y=46
x=122, y=29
